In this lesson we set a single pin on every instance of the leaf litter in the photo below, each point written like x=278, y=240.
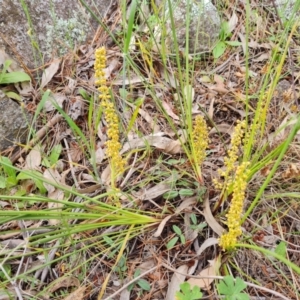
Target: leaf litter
x=222, y=96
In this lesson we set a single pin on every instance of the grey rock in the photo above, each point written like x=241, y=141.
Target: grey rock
x=56, y=26
x=203, y=28
x=286, y=9
x=14, y=123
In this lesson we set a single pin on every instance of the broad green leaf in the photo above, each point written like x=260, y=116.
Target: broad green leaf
x=172, y=161
x=186, y=192
x=6, y=270
x=2, y=182
x=137, y=273
x=9, y=171
x=234, y=43
x=281, y=249
x=172, y=242
x=182, y=239
x=13, y=95
x=177, y=230
x=194, y=218
x=219, y=49
x=14, y=77
x=55, y=153
x=144, y=284
x=231, y=289
x=170, y=195
x=188, y=294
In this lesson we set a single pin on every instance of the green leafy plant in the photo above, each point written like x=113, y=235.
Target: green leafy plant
x=232, y=289
x=121, y=267
x=195, y=225
x=142, y=283
x=12, y=77
x=53, y=157
x=186, y=293
x=174, y=240
x=8, y=176
x=221, y=46
x=281, y=249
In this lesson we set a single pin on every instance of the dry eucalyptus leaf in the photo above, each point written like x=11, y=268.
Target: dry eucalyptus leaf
x=100, y=155
x=125, y=295
x=160, y=142
x=155, y=128
x=49, y=73
x=208, y=243
x=105, y=176
x=33, y=159
x=54, y=100
x=169, y=110
x=55, y=195
x=176, y=281
x=113, y=65
x=161, y=226
x=211, y=221
x=132, y=80
x=64, y=282
x=53, y=176
x=185, y=204
x=233, y=22
x=157, y=190
x=77, y=295
x=204, y=283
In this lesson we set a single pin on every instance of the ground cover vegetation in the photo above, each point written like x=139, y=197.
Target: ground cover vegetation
x=156, y=173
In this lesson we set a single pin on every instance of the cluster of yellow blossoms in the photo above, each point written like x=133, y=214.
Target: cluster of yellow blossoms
x=200, y=139
x=232, y=155
x=111, y=117
x=235, y=180
x=229, y=239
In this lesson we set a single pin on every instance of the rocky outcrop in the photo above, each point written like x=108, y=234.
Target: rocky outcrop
x=14, y=123
x=38, y=29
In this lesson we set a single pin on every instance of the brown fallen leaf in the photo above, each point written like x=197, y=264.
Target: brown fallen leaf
x=160, y=142
x=177, y=279
x=169, y=110
x=185, y=204
x=211, y=221
x=33, y=159
x=77, y=295
x=161, y=226
x=51, y=175
x=54, y=100
x=64, y=282
x=208, y=243
x=204, y=283
x=55, y=195
x=49, y=73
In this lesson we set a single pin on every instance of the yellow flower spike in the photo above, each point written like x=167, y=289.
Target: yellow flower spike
x=199, y=142
x=111, y=117
x=228, y=240
x=232, y=157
